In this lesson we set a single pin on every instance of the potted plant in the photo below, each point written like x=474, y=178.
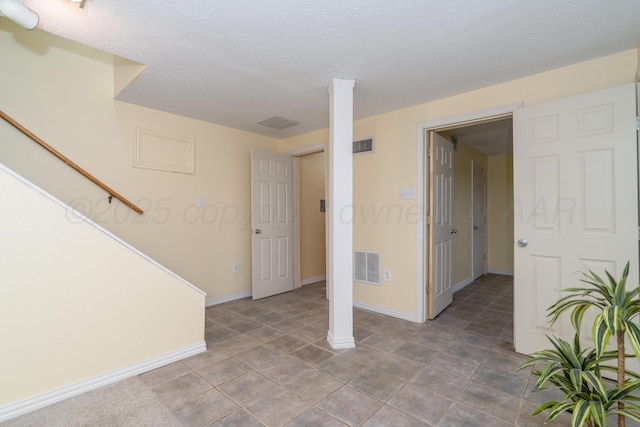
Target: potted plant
x=577, y=372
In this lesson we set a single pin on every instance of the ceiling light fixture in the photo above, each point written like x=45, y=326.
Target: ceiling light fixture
x=19, y=13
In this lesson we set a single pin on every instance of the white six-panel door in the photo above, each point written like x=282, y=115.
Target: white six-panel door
x=575, y=202
x=271, y=223
x=440, y=288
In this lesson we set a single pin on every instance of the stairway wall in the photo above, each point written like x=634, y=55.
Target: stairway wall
x=77, y=303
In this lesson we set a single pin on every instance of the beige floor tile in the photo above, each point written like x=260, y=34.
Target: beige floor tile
x=350, y=405
x=175, y=392
x=249, y=387
x=423, y=405
x=313, y=385
x=205, y=409
x=276, y=410
x=316, y=417
x=389, y=416
x=377, y=384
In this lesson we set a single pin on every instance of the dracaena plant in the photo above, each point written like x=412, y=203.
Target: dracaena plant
x=617, y=311
x=576, y=374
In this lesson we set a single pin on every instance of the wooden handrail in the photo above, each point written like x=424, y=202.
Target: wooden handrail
x=69, y=162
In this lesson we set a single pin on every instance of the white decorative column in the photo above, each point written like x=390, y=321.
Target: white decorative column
x=340, y=209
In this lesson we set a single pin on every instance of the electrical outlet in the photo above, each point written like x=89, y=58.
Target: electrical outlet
x=387, y=275
x=236, y=268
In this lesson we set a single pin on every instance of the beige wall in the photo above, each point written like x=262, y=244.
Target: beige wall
x=312, y=248
x=76, y=304
x=379, y=177
x=63, y=92
x=500, y=214
x=462, y=241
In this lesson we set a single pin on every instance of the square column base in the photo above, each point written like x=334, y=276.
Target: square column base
x=340, y=343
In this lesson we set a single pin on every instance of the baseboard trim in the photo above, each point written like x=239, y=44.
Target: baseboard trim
x=502, y=272
x=462, y=284
x=228, y=298
x=31, y=404
x=313, y=280
x=386, y=311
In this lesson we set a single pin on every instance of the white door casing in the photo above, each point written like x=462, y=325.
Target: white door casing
x=478, y=220
x=575, y=203
x=271, y=223
x=440, y=290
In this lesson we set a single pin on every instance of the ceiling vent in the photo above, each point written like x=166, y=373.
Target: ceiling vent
x=277, y=122
x=362, y=146
x=367, y=267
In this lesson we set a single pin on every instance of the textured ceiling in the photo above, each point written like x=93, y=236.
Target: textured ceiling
x=237, y=63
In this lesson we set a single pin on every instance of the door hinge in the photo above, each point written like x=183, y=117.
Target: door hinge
x=430, y=151
x=637, y=123
x=428, y=219
x=429, y=289
x=638, y=233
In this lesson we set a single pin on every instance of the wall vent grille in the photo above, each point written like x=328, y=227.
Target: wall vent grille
x=362, y=146
x=367, y=267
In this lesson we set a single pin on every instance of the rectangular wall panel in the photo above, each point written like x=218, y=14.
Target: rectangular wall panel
x=164, y=152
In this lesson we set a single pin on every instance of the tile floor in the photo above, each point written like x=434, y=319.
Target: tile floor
x=268, y=363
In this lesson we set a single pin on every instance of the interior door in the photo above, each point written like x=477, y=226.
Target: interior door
x=479, y=215
x=271, y=223
x=575, y=202
x=440, y=291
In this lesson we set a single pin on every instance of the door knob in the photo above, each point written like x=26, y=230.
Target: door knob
x=523, y=242
x=258, y=231
x=475, y=227
x=454, y=230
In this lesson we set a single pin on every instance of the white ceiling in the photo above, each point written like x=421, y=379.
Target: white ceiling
x=237, y=63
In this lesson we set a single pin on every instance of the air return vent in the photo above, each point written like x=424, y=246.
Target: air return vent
x=367, y=267
x=362, y=146
x=277, y=122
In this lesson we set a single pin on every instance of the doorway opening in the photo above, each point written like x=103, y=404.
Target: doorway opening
x=310, y=179
x=481, y=202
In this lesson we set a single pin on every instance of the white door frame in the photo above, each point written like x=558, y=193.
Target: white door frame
x=422, y=188
x=299, y=152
